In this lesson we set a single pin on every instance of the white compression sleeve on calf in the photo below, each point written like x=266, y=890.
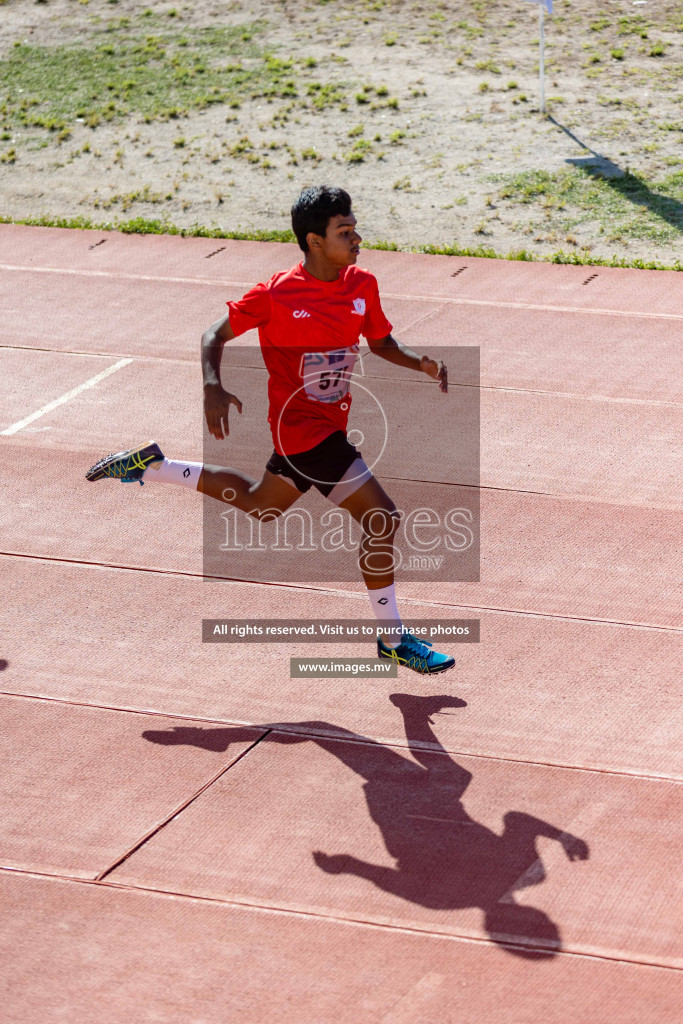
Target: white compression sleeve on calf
x=186, y=474
x=384, y=606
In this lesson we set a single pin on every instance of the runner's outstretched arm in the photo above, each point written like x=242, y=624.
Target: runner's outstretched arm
x=518, y=823
x=217, y=400
x=396, y=352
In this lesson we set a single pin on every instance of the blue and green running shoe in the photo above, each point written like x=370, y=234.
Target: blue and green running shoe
x=416, y=654
x=126, y=466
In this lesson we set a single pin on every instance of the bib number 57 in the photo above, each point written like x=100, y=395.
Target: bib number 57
x=325, y=380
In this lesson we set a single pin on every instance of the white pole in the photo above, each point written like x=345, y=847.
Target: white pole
x=541, y=49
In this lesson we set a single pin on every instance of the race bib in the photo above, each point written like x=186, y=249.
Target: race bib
x=327, y=375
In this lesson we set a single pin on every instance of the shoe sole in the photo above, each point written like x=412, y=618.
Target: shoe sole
x=96, y=472
x=420, y=672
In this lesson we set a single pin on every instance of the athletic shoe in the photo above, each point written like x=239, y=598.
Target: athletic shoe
x=415, y=654
x=126, y=466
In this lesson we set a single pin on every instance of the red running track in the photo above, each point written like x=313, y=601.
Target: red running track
x=190, y=835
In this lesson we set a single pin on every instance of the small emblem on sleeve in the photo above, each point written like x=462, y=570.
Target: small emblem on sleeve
x=359, y=307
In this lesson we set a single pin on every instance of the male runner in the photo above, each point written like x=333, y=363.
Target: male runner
x=309, y=320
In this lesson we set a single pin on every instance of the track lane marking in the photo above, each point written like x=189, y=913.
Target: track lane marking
x=284, y=910
x=386, y=295
x=397, y=743
x=363, y=353
x=20, y=424
x=553, y=851
x=154, y=831
x=348, y=594
x=413, y=1003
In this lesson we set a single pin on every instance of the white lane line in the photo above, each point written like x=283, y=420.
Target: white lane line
x=555, y=852
x=121, y=276
x=493, y=303
x=64, y=398
x=412, y=1006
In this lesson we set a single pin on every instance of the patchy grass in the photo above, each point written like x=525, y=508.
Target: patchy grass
x=127, y=199
x=158, y=77
x=359, y=151
x=141, y=226
x=632, y=24
x=329, y=94
x=311, y=153
x=153, y=66
x=623, y=207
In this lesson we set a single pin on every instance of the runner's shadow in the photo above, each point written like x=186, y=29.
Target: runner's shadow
x=444, y=860
x=194, y=736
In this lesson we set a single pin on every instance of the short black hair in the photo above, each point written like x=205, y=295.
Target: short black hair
x=313, y=209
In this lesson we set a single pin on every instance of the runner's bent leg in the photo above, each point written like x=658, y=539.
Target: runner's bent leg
x=253, y=497
x=272, y=495
x=372, y=507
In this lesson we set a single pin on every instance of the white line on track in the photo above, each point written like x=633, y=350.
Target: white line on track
x=555, y=852
x=64, y=398
x=387, y=295
x=414, y=1003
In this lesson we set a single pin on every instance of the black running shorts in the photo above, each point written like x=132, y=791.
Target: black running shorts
x=324, y=467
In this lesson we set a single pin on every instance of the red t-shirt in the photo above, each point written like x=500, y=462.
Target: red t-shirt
x=309, y=331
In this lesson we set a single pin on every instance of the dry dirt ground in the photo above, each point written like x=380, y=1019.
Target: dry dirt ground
x=426, y=112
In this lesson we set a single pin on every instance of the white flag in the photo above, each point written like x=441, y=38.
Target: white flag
x=548, y=4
